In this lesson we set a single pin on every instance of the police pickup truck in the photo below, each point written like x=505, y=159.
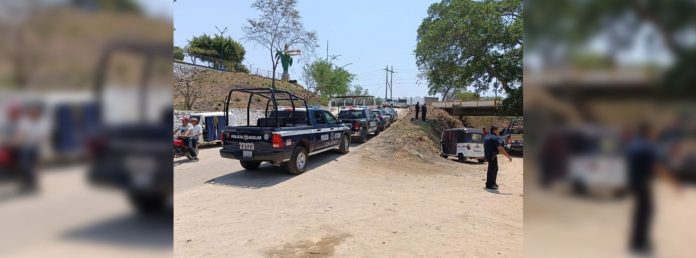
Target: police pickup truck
x=285, y=136
x=361, y=121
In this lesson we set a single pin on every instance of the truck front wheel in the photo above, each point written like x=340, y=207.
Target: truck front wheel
x=298, y=161
x=250, y=165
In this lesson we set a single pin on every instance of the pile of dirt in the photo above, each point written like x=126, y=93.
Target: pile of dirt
x=404, y=140
x=438, y=121
x=213, y=86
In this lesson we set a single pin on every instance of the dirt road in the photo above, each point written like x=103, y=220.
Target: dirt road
x=389, y=197
x=71, y=218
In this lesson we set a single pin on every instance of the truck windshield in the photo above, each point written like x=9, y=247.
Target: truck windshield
x=351, y=114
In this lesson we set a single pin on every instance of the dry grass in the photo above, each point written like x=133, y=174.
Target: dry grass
x=61, y=46
x=214, y=86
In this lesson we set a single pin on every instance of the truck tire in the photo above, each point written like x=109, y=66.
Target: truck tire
x=363, y=136
x=148, y=203
x=344, y=147
x=461, y=157
x=298, y=161
x=481, y=161
x=250, y=165
x=377, y=131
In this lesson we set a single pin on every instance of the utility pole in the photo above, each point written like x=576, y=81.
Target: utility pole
x=388, y=83
x=391, y=84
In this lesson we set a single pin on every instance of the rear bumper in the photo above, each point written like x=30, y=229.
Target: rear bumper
x=275, y=156
x=155, y=181
x=355, y=133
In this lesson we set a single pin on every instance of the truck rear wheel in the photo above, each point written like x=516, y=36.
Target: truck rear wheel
x=481, y=161
x=345, y=145
x=461, y=157
x=250, y=165
x=298, y=161
x=148, y=203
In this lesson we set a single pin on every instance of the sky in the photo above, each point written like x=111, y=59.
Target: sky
x=367, y=36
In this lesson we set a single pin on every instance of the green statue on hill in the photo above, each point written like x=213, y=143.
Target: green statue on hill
x=286, y=61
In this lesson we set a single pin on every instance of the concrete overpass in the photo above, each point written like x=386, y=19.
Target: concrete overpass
x=469, y=108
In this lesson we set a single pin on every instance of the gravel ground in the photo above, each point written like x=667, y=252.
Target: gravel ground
x=389, y=197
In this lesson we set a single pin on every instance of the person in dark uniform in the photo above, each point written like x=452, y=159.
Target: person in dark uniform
x=491, y=148
x=417, y=109
x=643, y=163
x=424, y=111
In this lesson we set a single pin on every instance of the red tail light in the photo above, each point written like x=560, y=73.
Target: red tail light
x=5, y=157
x=277, y=141
x=356, y=124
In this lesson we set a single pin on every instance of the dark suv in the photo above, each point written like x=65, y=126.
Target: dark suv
x=361, y=122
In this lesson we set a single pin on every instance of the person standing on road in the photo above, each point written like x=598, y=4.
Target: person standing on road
x=424, y=111
x=642, y=158
x=417, y=109
x=196, y=131
x=491, y=148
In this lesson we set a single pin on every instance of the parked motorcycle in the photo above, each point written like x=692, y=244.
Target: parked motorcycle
x=8, y=164
x=181, y=150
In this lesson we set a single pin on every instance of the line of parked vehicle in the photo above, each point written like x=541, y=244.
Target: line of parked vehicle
x=287, y=136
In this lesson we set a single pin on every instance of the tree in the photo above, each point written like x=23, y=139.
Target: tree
x=178, y=53
x=467, y=96
x=307, y=77
x=358, y=91
x=185, y=87
x=512, y=105
x=221, y=52
x=556, y=29
x=467, y=42
x=279, y=25
x=330, y=79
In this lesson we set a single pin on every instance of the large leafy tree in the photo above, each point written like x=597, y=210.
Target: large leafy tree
x=466, y=42
x=330, y=80
x=178, y=53
x=219, y=51
x=556, y=29
x=279, y=25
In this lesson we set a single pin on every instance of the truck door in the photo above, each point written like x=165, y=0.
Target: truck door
x=322, y=135
x=335, y=132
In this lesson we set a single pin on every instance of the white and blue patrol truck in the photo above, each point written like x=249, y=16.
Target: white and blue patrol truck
x=286, y=136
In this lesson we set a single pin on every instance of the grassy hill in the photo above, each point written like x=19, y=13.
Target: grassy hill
x=214, y=86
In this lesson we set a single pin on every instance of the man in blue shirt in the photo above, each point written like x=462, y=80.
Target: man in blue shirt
x=492, y=146
x=643, y=162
